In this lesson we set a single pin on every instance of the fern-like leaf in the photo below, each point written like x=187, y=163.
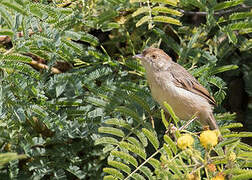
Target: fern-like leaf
x=170, y=2
x=112, y=131
x=171, y=144
x=120, y=166
x=126, y=157
x=166, y=19
x=138, y=151
x=114, y=172
x=152, y=137
x=106, y=140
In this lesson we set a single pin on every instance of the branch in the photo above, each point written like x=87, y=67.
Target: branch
x=218, y=13
x=43, y=66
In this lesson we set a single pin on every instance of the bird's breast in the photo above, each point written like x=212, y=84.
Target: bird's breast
x=184, y=103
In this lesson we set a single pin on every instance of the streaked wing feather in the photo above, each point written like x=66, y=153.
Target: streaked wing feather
x=185, y=80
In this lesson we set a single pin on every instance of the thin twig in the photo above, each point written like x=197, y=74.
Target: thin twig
x=187, y=124
x=147, y=160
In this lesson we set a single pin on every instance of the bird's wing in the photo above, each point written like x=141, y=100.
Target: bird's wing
x=185, y=80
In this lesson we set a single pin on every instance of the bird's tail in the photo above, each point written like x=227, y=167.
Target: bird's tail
x=212, y=122
x=213, y=125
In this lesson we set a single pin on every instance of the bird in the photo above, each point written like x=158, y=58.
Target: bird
x=172, y=83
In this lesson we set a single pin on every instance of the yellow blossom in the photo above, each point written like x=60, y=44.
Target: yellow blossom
x=211, y=167
x=220, y=176
x=232, y=156
x=192, y=177
x=185, y=141
x=209, y=138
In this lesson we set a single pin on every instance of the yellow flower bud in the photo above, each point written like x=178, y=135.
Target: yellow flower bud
x=209, y=138
x=192, y=177
x=211, y=167
x=232, y=156
x=185, y=141
x=220, y=176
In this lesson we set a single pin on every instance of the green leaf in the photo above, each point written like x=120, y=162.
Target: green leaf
x=248, y=2
x=141, y=11
x=198, y=4
x=147, y=172
x=73, y=35
x=6, y=32
x=218, y=82
x=174, y=167
x=7, y=157
x=137, y=176
x=76, y=171
x=97, y=101
x=112, y=131
x=110, y=177
x=134, y=141
x=107, y=15
x=39, y=110
x=60, y=89
x=128, y=112
x=109, y=26
x=224, y=68
x=154, y=162
x=161, y=9
x=118, y=122
x=168, y=151
x=128, y=158
x=6, y=16
x=171, y=144
x=231, y=35
x=108, y=148
x=113, y=172
x=241, y=134
x=135, y=1
x=16, y=57
x=89, y=38
x=164, y=120
x=244, y=176
x=169, y=41
x=137, y=150
x=141, y=137
x=120, y=166
x=246, y=155
x=240, y=15
x=76, y=47
x=166, y=19
x=171, y=112
x=232, y=125
x=170, y=2
x=106, y=140
x=15, y=7
x=227, y=4
x=244, y=146
x=152, y=137
x=143, y=20
x=37, y=11
x=140, y=101
x=240, y=25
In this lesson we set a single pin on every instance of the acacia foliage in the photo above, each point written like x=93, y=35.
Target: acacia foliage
x=54, y=119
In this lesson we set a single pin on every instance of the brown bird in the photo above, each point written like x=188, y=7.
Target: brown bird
x=172, y=83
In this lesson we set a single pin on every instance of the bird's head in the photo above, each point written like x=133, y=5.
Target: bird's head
x=154, y=58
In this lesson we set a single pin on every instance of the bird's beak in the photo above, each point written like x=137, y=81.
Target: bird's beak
x=138, y=56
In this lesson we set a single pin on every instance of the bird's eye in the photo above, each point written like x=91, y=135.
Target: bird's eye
x=153, y=56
